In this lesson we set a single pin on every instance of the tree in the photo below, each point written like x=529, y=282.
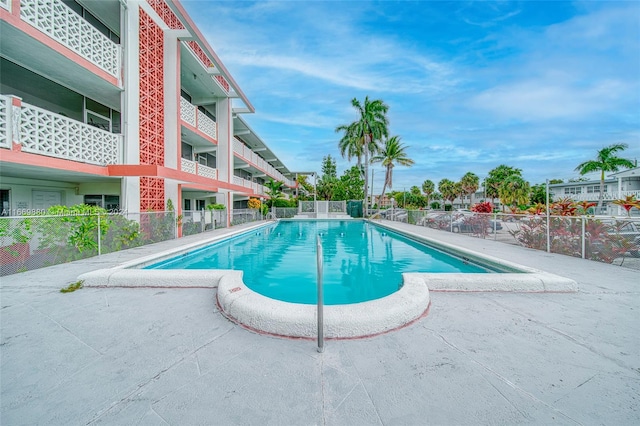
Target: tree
x=496, y=177
x=328, y=183
x=391, y=154
x=514, y=191
x=428, y=187
x=538, y=194
x=350, y=186
x=274, y=191
x=470, y=183
x=305, y=187
x=447, y=190
x=362, y=136
x=606, y=161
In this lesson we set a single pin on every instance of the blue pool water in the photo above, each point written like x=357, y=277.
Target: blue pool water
x=361, y=261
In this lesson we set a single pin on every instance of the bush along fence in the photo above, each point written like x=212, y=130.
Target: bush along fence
x=603, y=239
x=65, y=234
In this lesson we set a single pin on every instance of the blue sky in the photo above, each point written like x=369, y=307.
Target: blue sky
x=538, y=85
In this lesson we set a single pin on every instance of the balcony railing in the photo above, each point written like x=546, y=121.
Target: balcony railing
x=191, y=115
x=198, y=169
x=251, y=157
x=5, y=4
x=59, y=22
x=595, y=196
x=42, y=132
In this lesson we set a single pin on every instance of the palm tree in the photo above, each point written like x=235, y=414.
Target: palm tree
x=447, y=189
x=428, y=187
x=606, y=161
x=514, y=191
x=391, y=154
x=362, y=136
x=274, y=191
x=470, y=183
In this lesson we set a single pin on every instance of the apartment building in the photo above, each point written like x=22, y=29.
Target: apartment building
x=122, y=104
x=617, y=186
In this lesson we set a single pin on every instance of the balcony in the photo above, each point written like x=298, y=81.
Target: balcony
x=255, y=160
x=194, y=168
x=594, y=196
x=191, y=115
x=39, y=131
x=62, y=24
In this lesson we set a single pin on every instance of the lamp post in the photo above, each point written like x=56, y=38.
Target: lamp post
x=366, y=173
x=392, y=203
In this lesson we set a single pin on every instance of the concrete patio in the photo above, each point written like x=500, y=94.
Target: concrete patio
x=167, y=356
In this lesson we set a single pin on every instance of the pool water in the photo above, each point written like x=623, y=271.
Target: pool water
x=361, y=261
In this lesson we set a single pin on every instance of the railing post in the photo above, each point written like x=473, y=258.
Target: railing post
x=320, y=297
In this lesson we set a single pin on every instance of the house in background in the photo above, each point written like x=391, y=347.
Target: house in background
x=122, y=104
x=616, y=186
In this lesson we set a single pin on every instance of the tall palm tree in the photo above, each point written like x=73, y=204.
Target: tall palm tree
x=428, y=187
x=363, y=135
x=448, y=190
x=470, y=183
x=606, y=161
x=391, y=154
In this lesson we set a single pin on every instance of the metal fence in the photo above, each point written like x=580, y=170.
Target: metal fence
x=283, y=212
x=246, y=215
x=607, y=239
x=31, y=242
x=198, y=221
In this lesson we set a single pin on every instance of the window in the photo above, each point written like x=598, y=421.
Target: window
x=207, y=160
x=200, y=204
x=109, y=202
x=595, y=188
x=187, y=204
x=101, y=116
x=4, y=199
x=573, y=190
x=187, y=151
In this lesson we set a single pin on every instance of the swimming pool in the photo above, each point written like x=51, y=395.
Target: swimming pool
x=266, y=315
x=361, y=261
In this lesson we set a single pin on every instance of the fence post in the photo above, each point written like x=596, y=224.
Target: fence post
x=99, y=237
x=583, y=237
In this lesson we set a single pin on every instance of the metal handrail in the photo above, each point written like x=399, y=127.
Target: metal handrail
x=320, y=296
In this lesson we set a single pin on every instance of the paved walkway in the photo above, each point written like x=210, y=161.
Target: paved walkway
x=167, y=356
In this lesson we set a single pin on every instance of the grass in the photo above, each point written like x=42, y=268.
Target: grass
x=72, y=287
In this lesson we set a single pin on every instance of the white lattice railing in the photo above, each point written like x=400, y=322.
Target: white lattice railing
x=6, y=4
x=4, y=122
x=208, y=172
x=187, y=112
x=251, y=157
x=194, y=168
x=59, y=22
x=191, y=115
x=43, y=132
x=188, y=166
x=237, y=180
x=206, y=125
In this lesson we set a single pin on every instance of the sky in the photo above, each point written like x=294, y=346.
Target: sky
x=536, y=85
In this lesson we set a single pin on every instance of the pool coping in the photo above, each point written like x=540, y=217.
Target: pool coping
x=269, y=316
